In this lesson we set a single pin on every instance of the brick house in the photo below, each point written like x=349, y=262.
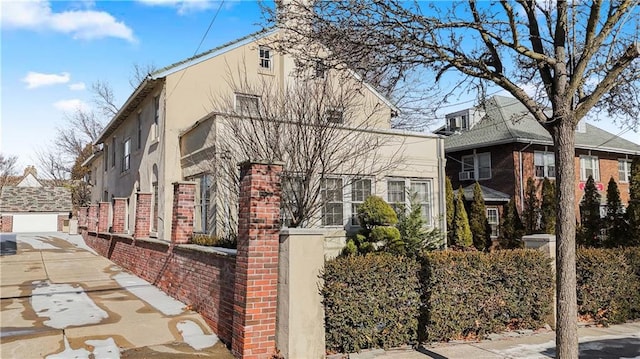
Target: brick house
x=168, y=129
x=29, y=204
x=501, y=145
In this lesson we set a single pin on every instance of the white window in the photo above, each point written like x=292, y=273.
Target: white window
x=396, y=193
x=154, y=222
x=589, y=167
x=247, y=105
x=360, y=190
x=624, y=170
x=422, y=192
x=265, y=58
x=476, y=167
x=545, y=165
x=292, y=191
x=156, y=117
x=494, y=221
x=126, y=155
x=332, y=209
x=202, y=201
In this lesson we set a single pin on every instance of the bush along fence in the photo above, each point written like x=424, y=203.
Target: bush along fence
x=381, y=301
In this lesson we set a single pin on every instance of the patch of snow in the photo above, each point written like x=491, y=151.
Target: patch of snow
x=528, y=351
x=69, y=353
x=104, y=349
x=192, y=334
x=35, y=242
x=65, y=306
x=150, y=294
x=77, y=241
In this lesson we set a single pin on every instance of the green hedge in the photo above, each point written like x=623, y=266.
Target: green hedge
x=470, y=294
x=608, y=284
x=370, y=301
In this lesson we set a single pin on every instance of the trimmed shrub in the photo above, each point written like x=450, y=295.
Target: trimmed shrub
x=467, y=295
x=462, y=236
x=608, y=284
x=370, y=301
x=211, y=240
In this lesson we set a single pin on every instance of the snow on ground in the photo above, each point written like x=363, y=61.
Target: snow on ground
x=65, y=305
x=35, y=242
x=103, y=349
x=150, y=294
x=192, y=334
x=77, y=241
x=69, y=353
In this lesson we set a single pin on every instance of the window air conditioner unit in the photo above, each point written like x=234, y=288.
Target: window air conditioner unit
x=465, y=176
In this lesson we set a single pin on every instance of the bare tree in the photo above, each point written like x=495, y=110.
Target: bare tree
x=7, y=168
x=139, y=73
x=318, y=127
x=581, y=56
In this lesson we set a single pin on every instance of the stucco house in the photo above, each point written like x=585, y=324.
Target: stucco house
x=30, y=204
x=500, y=145
x=174, y=128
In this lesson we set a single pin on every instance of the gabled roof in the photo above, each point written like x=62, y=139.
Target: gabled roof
x=508, y=121
x=488, y=194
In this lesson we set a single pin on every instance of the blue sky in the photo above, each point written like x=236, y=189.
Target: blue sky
x=51, y=52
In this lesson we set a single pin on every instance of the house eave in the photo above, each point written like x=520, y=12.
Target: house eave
x=540, y=142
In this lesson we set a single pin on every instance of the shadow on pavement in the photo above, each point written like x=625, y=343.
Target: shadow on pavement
x=8, y=244
x=606, y=349
x=431, y=354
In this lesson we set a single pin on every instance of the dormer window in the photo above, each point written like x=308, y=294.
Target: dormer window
x=265, y=58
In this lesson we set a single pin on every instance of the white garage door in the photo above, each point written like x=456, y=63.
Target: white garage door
x=35, y=222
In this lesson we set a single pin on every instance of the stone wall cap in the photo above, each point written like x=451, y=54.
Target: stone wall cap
x=125, y=198
x=207, y=249
x=149, y=193
x=539, y=238
x=302, y=231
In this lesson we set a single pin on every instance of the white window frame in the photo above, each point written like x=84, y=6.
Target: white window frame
x=405, y=199
x=126, y=154
x=624, y=173
x=239, y=97
x=265, y=60
x=358, y=196
x=336, y=202
x=548, y=161
x=202, y=202
x=492, y=224
x=424, y=201
x=594, y=162
x=476, y=165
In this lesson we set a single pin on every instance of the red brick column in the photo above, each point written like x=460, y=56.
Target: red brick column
x=119, y=215
x=61, y=218
x=7, y=224
x=92, y=218
x=143, y=215
x=256, y=281
x=83, y=212
x=184, y=196
x=103, y=216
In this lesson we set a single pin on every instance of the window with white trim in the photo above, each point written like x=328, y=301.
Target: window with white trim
x=421, y=192
x=156, y=117
x=494, y=221
x=360, y=190
x=247, y=105
x=396, y=193
x=292, y=190
x=624, y=170
x=126, y=155
x=545, y=164
x=476, y=167
x=202, y=202
x=265, y=58
x=589, y=166
x=332, y=199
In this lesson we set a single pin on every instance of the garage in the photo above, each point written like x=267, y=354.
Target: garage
x=35, y=222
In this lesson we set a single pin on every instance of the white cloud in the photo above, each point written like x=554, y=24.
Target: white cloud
x=80, y=24
x=71, y=105
x=78, y=86
x=36, y=79
x=182, y=6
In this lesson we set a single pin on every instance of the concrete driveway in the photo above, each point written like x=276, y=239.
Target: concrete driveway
x=61, y=300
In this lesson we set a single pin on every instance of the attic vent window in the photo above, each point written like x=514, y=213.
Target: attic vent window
x=265, y=58
x=247, y=105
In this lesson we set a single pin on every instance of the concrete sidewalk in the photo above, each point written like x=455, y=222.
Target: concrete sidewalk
x=616, y=341
x=61, y=300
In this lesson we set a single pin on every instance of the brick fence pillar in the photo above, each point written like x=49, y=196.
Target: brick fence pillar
x=61, y=219
x=7, y=224
x=82, y=216
x=92, y=218
x=119, y=215
x=103, y=216
x=142, y=226
x=256, y=280
x=184, y=196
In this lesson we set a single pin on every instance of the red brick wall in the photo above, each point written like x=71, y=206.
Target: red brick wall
x=202, y=280
x=256, y=286
x=143, y=215
x=92, y=218
x=61, y=219
x=184, y=195
x=119, y=215
x=83, y=213
x=103, y=216
x=7, y=224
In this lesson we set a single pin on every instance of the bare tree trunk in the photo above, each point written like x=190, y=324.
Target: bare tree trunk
x=567, y=307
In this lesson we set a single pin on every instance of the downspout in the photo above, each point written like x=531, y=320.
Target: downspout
x=521, y=176
x=442, y=190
